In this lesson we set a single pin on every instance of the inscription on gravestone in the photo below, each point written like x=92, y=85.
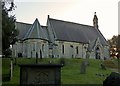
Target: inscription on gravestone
x=38, y=74
x=41, y=77
x=103, y=66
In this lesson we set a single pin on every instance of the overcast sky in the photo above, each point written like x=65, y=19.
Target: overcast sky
x=79, y=11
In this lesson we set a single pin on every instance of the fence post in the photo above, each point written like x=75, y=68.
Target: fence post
x=11, y=70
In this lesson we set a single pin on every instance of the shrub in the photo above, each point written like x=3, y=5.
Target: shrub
x=8, y=53
x=110, y=64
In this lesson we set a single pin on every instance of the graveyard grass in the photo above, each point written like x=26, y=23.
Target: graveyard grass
x=70, y=73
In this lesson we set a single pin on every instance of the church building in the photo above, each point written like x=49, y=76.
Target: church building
x=60, y=39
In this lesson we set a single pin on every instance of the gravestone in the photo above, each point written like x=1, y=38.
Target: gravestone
x=83, y=67
x=40, y=74
x=87, y=62
x=112, y=80
x=62, y=61
x=103, y=66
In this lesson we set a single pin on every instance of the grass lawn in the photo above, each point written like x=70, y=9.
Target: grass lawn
x=70, y=73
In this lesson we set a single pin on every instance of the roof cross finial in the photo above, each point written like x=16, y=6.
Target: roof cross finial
x=48, y=16
x=94, y=13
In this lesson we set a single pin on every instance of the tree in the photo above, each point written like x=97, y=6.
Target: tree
x=9, y=32
x=114, y=45
x=118, y=46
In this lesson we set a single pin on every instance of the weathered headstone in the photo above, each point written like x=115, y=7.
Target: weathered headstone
x=103, y=66
x=112, y=80
x=50, y=62
x=40, y=74
x=87, y=58
x=62, y=61
x=83, y=68
x=87, y=62
x=87, y=55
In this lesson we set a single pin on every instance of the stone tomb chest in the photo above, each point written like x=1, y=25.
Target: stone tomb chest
x=37, y=74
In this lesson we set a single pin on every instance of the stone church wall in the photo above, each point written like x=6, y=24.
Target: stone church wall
x=16, y=49
x=71, y=50
x=32, y=48
x=106, y=52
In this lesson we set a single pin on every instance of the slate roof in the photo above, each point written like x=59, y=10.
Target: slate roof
x=45, y=30
x=62, y=30
x=74, y=32
x=35, y=31
x=23, y=28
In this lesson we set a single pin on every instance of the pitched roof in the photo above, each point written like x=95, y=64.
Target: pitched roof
x=93, y=44
x=45, y=30
x=23, y=28
x=69, y=31
x=35, y=31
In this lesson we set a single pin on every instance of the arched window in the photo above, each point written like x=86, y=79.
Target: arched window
x=31, y=54
x=71, y=46
x=40, y=54
x=33, y=46
x=63, y=49
x=43, y=47
x=77, y=50
x=97, y=53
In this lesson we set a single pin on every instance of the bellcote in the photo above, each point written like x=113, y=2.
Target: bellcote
x=95, y=20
